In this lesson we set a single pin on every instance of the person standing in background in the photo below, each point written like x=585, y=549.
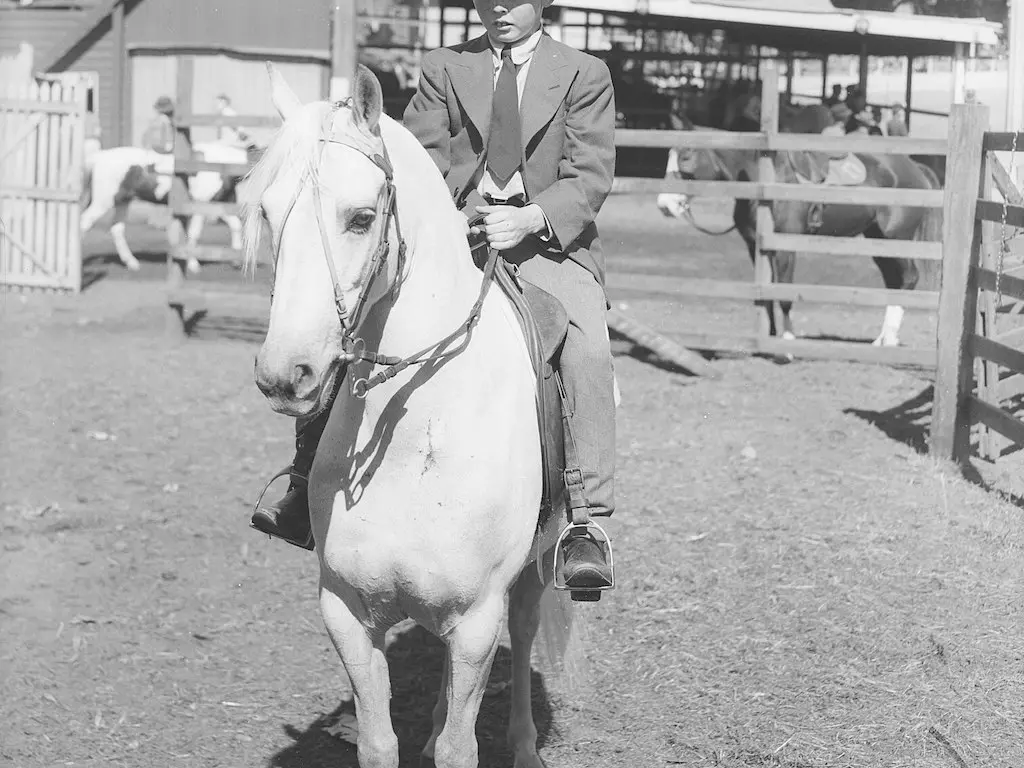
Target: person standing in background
x=229, y=134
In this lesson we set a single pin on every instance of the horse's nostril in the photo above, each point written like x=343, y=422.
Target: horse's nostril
x=303, y=379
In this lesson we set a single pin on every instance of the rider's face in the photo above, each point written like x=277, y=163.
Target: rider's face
x=509, y=21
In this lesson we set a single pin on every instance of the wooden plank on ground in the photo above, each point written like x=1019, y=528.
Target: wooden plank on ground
x=994, y=211
x=851, y=246
x=995, y=418
x=661, y=345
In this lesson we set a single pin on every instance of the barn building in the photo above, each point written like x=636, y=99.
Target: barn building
x=129, y=49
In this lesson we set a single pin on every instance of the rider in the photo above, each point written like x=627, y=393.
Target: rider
x=539, y=212
x=159, y=135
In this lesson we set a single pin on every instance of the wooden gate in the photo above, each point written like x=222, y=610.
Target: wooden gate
x=41, y=162
x=980, y=370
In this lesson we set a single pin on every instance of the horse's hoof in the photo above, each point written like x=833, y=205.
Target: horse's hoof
x=193, y=267
x=427, y=762
x=133, y=266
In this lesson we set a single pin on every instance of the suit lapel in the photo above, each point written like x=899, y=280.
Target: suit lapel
x=472, y=77
x=547, y=81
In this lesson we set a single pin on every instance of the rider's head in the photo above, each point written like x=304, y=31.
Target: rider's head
x=509, y=21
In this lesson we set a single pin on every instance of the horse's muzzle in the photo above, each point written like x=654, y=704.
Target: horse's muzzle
x=293, y=387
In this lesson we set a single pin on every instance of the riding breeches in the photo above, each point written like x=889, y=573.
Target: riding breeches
x=586, y=367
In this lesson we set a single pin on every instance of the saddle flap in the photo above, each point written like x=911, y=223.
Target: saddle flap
x=544, y=319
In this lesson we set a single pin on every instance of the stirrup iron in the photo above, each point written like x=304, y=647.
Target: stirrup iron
x=603, y=540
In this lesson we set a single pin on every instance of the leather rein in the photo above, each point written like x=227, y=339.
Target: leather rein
x=353, y=346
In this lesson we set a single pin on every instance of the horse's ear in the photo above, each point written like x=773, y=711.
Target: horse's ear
x=281, y=95
x=367, y=98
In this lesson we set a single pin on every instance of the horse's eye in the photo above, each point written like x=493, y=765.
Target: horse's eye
x=360, y=222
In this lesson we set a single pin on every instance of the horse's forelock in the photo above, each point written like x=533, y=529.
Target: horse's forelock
x=295, y=145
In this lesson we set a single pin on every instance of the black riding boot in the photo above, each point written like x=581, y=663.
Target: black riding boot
x=585, y=566
x=288, y=518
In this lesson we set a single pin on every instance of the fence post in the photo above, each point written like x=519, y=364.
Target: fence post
x=763, y=221
x=958, y=300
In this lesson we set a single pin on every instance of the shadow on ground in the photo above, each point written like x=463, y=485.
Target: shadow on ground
x=415, y=660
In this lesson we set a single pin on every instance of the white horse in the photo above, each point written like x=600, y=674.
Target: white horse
x=116, y=176
x=425, y=492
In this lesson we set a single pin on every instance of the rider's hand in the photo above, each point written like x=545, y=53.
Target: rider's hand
x=507, y=226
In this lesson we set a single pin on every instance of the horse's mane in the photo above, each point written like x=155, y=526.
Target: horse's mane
x=295, y=145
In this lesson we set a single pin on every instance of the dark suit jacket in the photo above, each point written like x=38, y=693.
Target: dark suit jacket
x=568, y=123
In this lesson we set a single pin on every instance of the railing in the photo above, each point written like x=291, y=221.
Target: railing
x=767, y=190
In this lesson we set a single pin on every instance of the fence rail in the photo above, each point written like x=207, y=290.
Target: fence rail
x=767, y=190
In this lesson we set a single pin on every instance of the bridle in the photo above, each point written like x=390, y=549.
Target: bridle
x=354, y=347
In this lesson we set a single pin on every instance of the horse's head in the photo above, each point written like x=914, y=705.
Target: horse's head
x=323, y=194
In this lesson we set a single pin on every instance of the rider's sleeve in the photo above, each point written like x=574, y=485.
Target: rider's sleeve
x=427, y=114
x=587, y=166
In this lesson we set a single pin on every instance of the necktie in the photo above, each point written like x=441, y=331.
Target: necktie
x=505, y=147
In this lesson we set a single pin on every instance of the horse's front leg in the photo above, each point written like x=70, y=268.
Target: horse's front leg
x=523, y=621
x=367, y=666
x=743, y=218
x=471, y=648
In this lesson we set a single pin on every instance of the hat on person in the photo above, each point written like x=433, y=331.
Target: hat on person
x=841, y=112
x=164, y=105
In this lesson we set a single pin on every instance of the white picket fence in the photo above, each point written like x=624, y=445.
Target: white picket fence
x=41, y=162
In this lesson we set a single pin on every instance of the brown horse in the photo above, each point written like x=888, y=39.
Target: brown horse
x=874, y=221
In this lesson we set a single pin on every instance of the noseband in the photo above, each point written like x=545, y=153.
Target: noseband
x=353, y=347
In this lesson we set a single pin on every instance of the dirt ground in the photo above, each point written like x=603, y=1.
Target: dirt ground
x=800, y=585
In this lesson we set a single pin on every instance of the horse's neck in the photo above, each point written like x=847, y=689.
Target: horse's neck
x=440, y=282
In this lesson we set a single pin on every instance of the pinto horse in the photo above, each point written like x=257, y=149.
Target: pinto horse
x=425, y=494
x=873, y=221
x=116, y=176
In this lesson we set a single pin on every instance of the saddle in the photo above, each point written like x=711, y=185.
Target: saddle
x=847, y=170
x=544, y=323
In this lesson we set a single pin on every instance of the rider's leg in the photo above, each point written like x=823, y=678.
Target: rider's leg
x=586, y=368
x=288, y=517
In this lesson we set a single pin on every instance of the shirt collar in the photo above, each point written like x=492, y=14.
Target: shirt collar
x=521, y=53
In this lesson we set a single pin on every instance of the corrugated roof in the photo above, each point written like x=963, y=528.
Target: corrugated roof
x=796, y=25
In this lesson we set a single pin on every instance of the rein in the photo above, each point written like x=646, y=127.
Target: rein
x=688, y=211
x=354, y=347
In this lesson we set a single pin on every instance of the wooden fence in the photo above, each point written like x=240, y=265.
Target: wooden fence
x=41, y=162
x=973, y=354
x=765, y=190
x=182, y=293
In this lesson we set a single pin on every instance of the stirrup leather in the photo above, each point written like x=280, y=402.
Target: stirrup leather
x=588, y=527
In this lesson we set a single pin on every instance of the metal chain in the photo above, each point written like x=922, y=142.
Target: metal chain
x=1003, y=242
